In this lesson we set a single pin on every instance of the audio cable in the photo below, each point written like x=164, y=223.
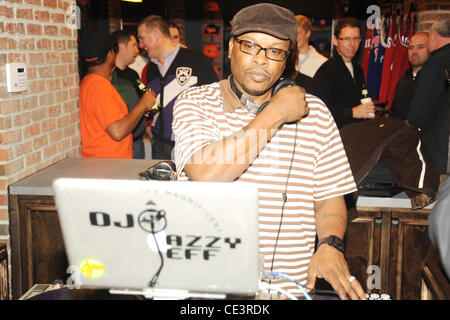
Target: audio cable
x=272, y=275
x=284, y=199
x=266, y=286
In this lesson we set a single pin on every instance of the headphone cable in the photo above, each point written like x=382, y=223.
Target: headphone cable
x=284, y=200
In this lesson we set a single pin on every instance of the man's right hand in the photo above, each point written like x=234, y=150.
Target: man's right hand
x=120, y=128
x=287, y=105
x=291, y=102
x=364, y=110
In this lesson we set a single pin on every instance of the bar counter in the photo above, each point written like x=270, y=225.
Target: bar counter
x=40, y=183
x=386, y=236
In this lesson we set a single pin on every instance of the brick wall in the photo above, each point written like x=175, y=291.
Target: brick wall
x=429, y=10
x=40, y=126
x=115, y=15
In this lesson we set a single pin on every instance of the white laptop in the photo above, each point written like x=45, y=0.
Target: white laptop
x=161, y=238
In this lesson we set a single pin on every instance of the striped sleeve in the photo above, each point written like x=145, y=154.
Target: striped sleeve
x=332, y=173
x=191, y=124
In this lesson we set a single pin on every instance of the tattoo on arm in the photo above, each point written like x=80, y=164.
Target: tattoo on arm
x=331, y=215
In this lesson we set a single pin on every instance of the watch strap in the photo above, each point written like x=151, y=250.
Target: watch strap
x=333, y=241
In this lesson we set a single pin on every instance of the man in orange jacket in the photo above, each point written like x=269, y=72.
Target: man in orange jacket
x=105, y=122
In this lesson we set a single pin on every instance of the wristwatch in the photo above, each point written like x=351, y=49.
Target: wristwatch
x=333, y=241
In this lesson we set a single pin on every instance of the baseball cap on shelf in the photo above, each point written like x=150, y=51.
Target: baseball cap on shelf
x=266, y=18
x=94, y=46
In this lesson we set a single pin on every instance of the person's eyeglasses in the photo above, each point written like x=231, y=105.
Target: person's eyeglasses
x=347, y=39
x=254, y=49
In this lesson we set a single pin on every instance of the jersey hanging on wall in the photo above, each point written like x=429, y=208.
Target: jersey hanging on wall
x=366, y=52
x=388, y=27
x=375, y=66
x=400, y=63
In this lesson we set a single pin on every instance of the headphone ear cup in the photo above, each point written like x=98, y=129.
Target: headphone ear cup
x=278, y=86
x=172, y=165
x=164, y=170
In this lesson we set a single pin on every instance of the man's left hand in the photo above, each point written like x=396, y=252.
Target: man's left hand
x=329, y=263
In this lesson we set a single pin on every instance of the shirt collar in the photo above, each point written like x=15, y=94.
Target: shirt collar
x=311, y=51
x=169, y=58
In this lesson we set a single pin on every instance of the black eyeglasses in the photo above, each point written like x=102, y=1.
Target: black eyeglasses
x=254, y=49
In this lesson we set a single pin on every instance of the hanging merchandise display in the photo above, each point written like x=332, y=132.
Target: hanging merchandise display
x=211, y=51
x=387, y=24
x=405, y=25
x=212, y=6
x=366, y=52
x=375, y=67
x=385, y=56
x=212, y=34
x=211, y=30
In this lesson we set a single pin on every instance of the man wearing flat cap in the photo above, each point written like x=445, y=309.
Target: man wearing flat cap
x=290, y=148
x=106, y=125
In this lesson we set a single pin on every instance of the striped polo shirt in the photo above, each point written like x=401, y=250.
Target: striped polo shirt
x=316, y=169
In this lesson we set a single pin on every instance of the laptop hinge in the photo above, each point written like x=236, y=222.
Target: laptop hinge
x=169, y=294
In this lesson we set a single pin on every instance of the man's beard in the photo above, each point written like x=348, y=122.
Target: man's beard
x=255, y=93
x=416, y=64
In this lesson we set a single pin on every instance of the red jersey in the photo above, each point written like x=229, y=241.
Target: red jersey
x=389, y=26
x=366, y=53
x=400, y=63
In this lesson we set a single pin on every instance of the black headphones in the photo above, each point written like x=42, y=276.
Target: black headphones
x=164, y=170
x=249, y=104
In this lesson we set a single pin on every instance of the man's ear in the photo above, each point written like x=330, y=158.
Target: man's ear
x=230, y=47
x=335, y=42
x=120, y=46
x=308, y=34
x=111, y=55
x=432, y=35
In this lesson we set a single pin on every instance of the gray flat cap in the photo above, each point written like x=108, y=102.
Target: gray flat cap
x=266, y=18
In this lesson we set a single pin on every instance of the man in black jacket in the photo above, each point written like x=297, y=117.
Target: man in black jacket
x=431, y=83
x=342, y=78
x=429, y=109
x=375, y=140
x=170, y=71
x=418, y=53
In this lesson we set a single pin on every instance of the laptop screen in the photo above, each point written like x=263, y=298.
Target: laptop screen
x=132, y=234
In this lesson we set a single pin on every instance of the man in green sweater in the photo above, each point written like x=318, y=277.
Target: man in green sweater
x=126, y=81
